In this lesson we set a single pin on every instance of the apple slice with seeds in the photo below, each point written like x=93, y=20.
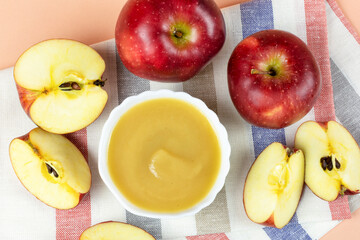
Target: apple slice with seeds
x=51, y=168
x=274, y=185
x=115, y=230
x=332, y=159
x=60, y=86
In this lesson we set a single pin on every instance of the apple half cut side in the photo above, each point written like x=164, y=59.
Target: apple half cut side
x=59, y=85
x=274, y=185
x=332, y=159
x=51, y=168
x=115, y=230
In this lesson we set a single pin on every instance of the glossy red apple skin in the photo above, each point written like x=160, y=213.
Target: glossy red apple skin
x=273, y=101
x=27, y=98
x=147, y=46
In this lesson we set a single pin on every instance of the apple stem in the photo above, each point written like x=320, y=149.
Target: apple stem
x=337, y=164
x=342, y=190
x=177, y=33
x=271, y=72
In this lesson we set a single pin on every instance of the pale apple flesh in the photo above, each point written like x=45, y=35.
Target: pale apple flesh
x=115, y=230
x=332, y=159
x=60, y=86
x=51, y=168
x=274, y=185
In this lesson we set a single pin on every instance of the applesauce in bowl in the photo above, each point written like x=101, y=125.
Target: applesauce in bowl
x=164, y=154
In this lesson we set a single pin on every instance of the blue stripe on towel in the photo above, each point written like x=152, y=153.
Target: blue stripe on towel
x=257, y=15
x=263, y=137
x=292, y=231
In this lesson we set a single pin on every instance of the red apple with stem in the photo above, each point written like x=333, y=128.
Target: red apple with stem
x=169, y=40
x=274, y=80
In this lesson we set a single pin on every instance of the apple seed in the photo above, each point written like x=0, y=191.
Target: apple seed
x=68, y=86
x=51, y=170
x=323, y=163
x=55, y=174
x=64, y=85
x=337, y=164
x=330, y=166
x=75, y=86
x=328, y=160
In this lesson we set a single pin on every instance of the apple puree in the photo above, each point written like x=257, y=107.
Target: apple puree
x=164, y=155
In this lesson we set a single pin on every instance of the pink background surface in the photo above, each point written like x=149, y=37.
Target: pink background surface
x=24, y=23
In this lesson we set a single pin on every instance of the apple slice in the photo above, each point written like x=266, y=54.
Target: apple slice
x=51, y=168
x=115, y=230
x=332, y=159
x=274, y=185
x=59, y=85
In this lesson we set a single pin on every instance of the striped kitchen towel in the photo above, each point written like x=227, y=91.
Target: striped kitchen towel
x=336, y=48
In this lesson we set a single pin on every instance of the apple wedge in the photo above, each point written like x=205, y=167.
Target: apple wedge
x=51, y=168
x=274, y=185
x=59, y=85
x=115, y=230
x=332, y=159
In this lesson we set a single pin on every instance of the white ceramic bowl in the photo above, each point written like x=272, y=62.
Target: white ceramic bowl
x=148, y=95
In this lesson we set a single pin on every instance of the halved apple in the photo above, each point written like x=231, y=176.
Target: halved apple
x=51, y=168
x=332, y=159
x=115, y=230
x=60, y=86
x=274, y=185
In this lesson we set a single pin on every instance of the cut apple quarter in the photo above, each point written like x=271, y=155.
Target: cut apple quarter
x=60, y=86
x=115, y=230
x=274, y=185
x=51, y=167
x=332, y=159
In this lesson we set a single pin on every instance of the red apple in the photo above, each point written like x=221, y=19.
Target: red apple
x=273, y=79
x=169, y=40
